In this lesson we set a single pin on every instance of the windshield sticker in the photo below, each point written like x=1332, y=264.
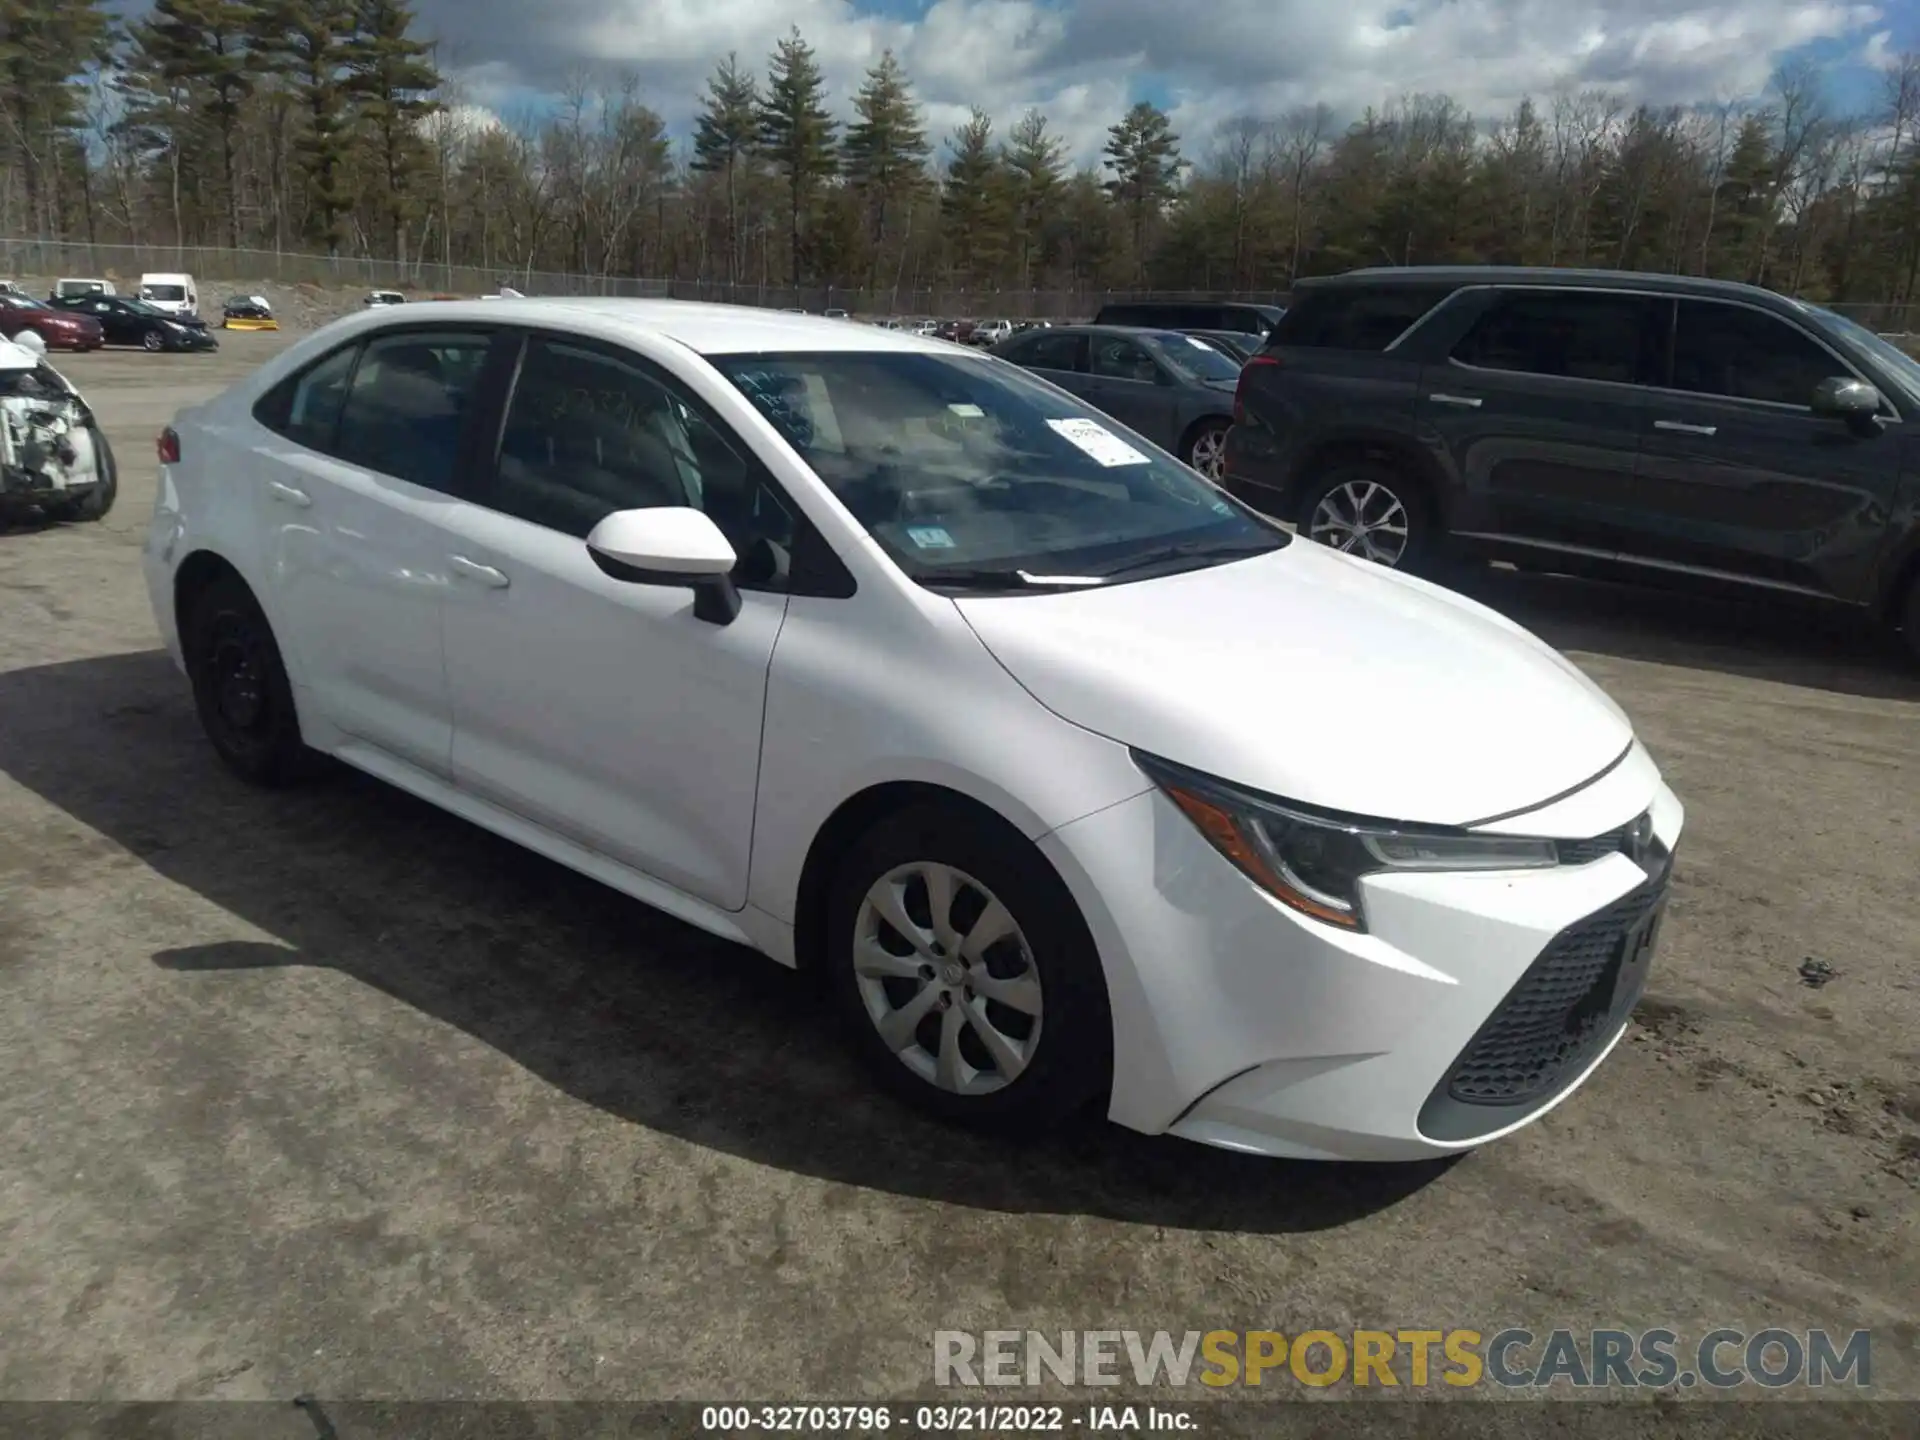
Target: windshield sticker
x=968, y=412
x=1098, y=442
x=930, y=537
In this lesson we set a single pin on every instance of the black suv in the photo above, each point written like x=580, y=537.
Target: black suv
x=1661, y=427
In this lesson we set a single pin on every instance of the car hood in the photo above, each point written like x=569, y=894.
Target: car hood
x=1318, y=678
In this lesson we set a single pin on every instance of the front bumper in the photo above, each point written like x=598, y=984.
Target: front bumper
x=1242, y=1024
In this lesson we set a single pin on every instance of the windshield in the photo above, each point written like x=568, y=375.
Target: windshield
x=1885, y=351
x=963, y=463
x=1196, y=359
x=163, y=292
x=21, y=302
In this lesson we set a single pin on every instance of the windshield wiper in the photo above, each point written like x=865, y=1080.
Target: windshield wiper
x=984, y=579
x=1201, y=550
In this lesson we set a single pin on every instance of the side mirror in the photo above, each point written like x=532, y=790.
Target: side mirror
x=671, y=545
x=1841, y=397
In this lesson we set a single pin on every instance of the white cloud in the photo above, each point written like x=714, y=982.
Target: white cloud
x=1081, y=61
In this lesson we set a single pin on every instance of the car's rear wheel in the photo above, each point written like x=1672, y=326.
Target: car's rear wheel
x=153, y=340
x=240, y=686
x=1368, y=510
x=965, y=974
x=1207, y=448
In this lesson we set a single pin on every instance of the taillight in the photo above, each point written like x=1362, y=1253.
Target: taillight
x=167, y=443
x=1240, y=390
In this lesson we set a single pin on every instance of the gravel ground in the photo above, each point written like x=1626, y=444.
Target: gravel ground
x=330, y=1092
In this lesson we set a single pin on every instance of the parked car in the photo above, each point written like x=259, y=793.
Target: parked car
x=900, y=665
x=58, y=329
x=69, y=286
x=1245, y=319
x=956, y=331
x=126, y=321
x=1235, y=345
x=247, y=312
x=833, y=312
x=377, y=298
x=1171, y=388
x=1672, y=429
x=171, y=293
x=54, y=456
x=988, y=333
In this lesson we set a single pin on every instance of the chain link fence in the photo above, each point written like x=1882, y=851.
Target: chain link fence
x=124, y=264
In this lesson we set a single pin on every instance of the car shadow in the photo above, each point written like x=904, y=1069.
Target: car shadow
x=1759, y=639
x=614, y=1003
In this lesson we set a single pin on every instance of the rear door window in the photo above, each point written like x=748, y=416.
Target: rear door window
x=1055, y=352
x=1568, y=334
x=408, y=403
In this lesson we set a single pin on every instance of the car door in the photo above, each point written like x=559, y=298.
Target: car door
x=1738, y=475
x=1125, y=380
x=354, y=494
x=605, y=710
x=1537, y=411
x=113, y=320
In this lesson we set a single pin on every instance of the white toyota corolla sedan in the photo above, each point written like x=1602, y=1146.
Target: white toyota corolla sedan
x=1076, y=782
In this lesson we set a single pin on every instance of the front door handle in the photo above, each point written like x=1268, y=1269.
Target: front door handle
x=1470, y=402
x=288, y=495
x=473, y=570
x=1682, y=428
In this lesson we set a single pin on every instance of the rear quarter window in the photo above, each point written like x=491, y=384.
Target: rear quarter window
x=1354, y=317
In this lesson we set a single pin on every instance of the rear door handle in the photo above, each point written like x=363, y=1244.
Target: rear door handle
x=1682, y=428
x=483, y=574
x=288, y=495
x=1470, y=402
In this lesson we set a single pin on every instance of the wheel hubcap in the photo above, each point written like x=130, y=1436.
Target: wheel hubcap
x=947, y=978
x=1210, y=453
x=1364, y=518
x=239, y=690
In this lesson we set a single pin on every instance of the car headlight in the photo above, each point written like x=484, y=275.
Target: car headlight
x=1313, y=861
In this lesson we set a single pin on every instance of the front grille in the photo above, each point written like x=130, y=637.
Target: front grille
x=1617, y=841
x=1559, y=1015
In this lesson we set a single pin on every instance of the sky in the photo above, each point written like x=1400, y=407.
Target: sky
x=1084, y=61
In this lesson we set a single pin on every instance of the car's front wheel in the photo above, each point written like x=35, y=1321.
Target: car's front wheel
x=1207, y=448
x=965, y=974
x=1367, y=510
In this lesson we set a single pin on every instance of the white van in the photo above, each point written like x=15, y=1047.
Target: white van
x=69, y=287
x=174, y=294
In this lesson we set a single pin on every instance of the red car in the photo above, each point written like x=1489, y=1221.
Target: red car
x=61, y=330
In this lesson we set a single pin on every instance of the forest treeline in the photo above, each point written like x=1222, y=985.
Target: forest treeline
x=329, y=126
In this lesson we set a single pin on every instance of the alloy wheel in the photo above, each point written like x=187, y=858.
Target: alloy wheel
x=1364, y=518
x=947, y=978
x=1210, y=452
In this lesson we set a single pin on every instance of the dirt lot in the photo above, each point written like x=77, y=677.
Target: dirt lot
x=331, y=1093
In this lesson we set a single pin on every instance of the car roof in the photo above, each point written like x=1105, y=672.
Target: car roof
x=703, y=327
x=1545, y=275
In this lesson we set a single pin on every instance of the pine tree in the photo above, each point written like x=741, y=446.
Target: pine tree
x=308, y=40
x=724, y=137
x=1144, y=155
x=1036, y=167
x=885, y=153
x=797, y=130
x=391, y=79
x=973, y=205
x=44, y=44
x=200, y=53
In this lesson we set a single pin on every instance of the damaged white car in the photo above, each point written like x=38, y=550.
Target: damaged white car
x=54, y=457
